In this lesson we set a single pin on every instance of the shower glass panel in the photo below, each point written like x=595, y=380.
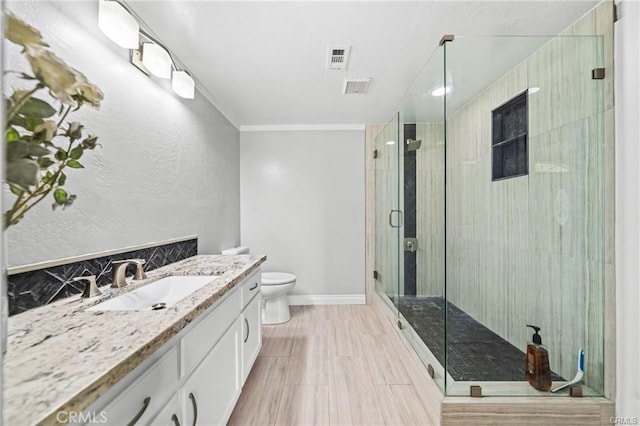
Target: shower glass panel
x=388, y=215
x=524, y=210
x=500, y=180
x=420, y=302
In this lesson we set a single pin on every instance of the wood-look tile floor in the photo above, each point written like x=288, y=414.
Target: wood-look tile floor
x=336, y=365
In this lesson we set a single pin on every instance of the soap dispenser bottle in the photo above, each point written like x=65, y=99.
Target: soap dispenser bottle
x=538, y=371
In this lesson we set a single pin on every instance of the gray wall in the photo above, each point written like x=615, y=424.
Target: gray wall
x=302, y=198
x=168, y=167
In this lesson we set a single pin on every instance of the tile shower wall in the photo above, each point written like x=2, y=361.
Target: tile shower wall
x=531, y=249
x=39, y=287
x=430, y=207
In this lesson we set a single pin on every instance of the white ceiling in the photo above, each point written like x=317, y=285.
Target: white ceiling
x=264, y=63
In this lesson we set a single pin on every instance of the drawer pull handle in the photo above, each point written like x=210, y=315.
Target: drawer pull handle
x=192, y=397
x=247, y=337
x=175, y=420
x=145, y=404
x=254, y=287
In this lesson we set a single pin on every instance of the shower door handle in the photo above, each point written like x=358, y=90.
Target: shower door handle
x=399, y=225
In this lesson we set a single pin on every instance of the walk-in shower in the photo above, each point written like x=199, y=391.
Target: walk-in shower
x=498, y=219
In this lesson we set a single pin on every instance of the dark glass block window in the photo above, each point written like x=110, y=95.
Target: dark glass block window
x=509, y=139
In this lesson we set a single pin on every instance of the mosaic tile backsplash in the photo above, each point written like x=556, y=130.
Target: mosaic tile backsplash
x=31, y=289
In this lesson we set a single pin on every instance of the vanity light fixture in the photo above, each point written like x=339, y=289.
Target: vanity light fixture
x=118, y=24
x=156, y=59
x=183, y=84
x=149, y=55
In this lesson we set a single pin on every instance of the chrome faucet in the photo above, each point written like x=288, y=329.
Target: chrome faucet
x=119, y=269
x=91, y=289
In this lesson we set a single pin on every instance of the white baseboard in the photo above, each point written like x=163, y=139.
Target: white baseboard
x=328, y=299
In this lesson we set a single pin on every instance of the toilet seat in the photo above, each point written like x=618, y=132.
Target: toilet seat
x=277, y=278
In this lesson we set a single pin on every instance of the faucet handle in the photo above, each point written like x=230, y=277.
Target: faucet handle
x=91, y=288
x=139, y=275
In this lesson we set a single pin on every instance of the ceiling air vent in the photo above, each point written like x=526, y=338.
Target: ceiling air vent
x=338, y=57
x=355, y=85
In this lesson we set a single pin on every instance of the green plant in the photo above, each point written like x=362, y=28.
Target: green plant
x=40, y=143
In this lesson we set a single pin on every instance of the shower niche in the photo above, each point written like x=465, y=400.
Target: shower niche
x=500, y=140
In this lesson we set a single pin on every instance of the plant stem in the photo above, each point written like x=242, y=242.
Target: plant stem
x=64, y=116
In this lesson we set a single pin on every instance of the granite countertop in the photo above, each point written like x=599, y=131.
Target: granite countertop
x=62, y=357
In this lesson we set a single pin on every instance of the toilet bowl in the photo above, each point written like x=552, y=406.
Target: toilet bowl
x=275, y=288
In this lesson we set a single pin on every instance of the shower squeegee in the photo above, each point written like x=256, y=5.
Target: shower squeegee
x=579, y=374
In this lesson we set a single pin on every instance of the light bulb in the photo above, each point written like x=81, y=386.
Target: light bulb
x=118, y=24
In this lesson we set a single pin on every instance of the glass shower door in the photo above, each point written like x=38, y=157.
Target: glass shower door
x=421, y=300
x=388, y=215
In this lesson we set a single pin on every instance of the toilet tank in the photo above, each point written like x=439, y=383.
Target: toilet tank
x=235, y=250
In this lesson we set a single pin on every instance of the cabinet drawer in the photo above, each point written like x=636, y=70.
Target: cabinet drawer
x=195, y=344
x=147, y=395
x=250, y=288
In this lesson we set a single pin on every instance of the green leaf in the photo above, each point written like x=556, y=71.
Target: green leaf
x=62, y=179
x=36, y=108
x=45, y=162
x=11, y=135
x=48, y=177
x=19, y=120
x=76, y=152
x=36, y=150
x=16, y=190
x=61, y=155
x=60, y=195
x=22, y=149
x=32, y=123
x=22, y=172
x=74, y=164
x=17, y=150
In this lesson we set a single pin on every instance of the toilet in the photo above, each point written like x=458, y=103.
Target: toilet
x=275, y=289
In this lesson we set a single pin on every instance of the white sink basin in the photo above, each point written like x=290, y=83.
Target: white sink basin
x=167, y=291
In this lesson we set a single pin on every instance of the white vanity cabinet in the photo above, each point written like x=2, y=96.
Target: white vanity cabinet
x=197, y=376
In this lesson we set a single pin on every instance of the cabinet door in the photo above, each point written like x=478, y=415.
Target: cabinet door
x=251, y=335
x=211, y=391
x=170, y=415
x=199, y=340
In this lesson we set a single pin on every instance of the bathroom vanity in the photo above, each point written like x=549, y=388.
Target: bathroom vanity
x=177, y=365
